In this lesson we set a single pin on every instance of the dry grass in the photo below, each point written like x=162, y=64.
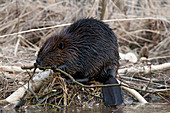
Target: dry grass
x=24, y=15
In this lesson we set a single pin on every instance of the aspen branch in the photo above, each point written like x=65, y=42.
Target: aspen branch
x=145, y=69
x=133, y=92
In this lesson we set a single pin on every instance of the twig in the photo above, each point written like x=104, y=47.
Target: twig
x=162, y=90
x=133, y=92
x=18, y=38
x=17, y=44
x=163, y=97
x=139, y=80
x=103, y=5
x=22, y=100
x=144, y=69
x=24, y=40
x=150, y=78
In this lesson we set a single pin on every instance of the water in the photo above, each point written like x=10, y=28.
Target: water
x=138, y=108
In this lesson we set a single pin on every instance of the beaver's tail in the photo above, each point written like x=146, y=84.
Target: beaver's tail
x=112, y=95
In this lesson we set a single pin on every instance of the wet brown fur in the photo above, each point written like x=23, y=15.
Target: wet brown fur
x=89, y=47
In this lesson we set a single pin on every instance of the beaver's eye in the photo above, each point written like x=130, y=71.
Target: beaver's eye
x=60, y=45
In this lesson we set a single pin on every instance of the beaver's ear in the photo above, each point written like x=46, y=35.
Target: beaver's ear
x=61, y=45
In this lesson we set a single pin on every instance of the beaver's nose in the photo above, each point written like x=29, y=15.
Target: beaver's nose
x=38, y=60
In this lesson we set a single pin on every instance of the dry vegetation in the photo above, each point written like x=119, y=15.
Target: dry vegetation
x=38, y=20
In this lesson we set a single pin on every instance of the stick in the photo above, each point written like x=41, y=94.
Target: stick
x=134, y=93
x=35, y=84
x=145, y=69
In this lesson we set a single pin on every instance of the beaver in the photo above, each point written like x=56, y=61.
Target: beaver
x=88, y=48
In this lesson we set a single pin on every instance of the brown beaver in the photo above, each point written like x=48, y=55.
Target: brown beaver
x=87, y=48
